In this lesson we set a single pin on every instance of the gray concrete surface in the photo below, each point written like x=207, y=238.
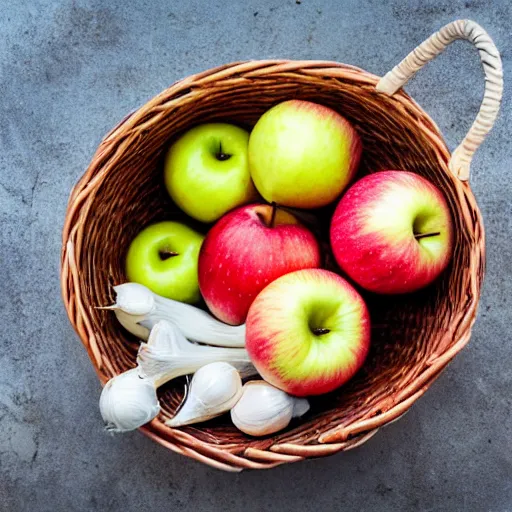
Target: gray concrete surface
x=69, y=70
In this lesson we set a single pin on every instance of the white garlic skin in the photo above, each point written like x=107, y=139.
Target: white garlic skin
x=138, y=310
x=132, y=323
x=168, y=354
x=263, y=409
x=214, y=390
x=127, y=402
x=134, y=299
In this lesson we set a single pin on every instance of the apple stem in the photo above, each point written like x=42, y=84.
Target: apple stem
x=307, y=218
x=221, y=156
x=318, y=331
x=273, y=216
x=426, y=235
x=166, y=254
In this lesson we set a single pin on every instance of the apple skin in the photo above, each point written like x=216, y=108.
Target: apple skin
x=302, y=154
x=241, y=255
x=174, y=277
x=373, y=232
x=280, y=338
x=206, y=171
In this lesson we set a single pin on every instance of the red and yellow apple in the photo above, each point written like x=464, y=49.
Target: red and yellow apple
x=247, y=249
x=392, y=232
x=308, y=332
x=302, y=154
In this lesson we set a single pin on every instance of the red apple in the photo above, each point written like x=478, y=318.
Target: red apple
x=392, y=232
x=247, y=249
x=308, y=332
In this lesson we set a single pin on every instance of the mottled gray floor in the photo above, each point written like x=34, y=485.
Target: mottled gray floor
x=69, y=70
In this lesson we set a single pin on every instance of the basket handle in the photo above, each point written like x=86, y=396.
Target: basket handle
x=491, y=62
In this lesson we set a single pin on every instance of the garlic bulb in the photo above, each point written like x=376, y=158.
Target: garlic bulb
x=138, y=309
x=168, y=354
x=128, y=401
x=214, y=390
x=264, y=409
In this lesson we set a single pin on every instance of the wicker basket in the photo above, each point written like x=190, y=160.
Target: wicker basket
x=413, y=337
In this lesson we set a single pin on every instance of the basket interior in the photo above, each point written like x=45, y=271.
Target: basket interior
x=406, y=331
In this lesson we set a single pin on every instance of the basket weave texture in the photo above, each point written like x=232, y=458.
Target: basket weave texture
x=413, y=337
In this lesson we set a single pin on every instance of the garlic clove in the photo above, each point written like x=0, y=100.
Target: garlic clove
x=300, y=407
x=134, y=298
x=214, y=390
x=138, y=309
x=128, y=401
x=197, y=325
x=166, y=336
x=164, y=356
x=132, y=323
x=263, y=409
x=168, y=354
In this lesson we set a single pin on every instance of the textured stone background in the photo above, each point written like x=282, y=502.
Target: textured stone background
x=69, y=70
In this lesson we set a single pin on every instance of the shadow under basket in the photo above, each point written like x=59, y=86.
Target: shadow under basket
x=414, y=337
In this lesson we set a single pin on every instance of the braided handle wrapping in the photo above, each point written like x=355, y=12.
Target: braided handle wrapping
x=491, y=62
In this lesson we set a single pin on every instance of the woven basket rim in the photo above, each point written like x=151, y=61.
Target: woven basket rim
x=336, y=439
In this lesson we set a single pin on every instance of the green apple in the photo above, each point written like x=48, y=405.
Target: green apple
x=302, y=154
x=207, y=173
x=164, y=258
